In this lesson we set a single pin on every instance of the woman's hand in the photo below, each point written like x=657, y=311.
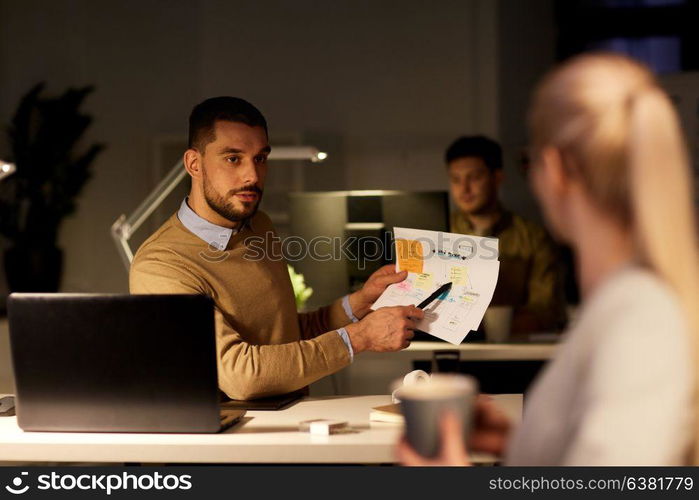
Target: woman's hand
x=491, y=427
x=490, y=434
x=452, y=451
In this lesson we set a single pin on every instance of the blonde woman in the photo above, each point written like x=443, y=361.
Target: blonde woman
x=611, y=174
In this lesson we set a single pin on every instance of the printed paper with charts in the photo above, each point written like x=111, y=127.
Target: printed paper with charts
x=434, y=258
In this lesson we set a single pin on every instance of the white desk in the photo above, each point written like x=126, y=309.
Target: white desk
x=486, y=352
x=263, y=437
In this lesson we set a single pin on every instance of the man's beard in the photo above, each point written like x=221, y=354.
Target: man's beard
x=486, y=207
x=225, y=208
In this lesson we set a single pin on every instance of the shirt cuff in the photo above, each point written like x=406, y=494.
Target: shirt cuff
x=348, y=309
x=345, y=338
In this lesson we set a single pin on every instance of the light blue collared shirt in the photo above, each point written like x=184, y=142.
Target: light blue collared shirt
x=218, y=237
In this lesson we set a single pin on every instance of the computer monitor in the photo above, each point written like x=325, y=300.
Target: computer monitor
x=339, y=229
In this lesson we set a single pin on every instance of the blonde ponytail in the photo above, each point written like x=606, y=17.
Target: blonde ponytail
x=662, y=206
x=610, y=117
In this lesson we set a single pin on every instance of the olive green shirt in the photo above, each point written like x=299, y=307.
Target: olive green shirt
x=530, y=277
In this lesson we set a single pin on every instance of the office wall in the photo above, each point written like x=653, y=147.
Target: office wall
x=137, y=54
x=386, y=85
x=526, y=50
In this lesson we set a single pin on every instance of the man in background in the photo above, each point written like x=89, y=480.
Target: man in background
x=529, y=278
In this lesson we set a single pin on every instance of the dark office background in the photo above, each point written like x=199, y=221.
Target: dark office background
x=383, y=86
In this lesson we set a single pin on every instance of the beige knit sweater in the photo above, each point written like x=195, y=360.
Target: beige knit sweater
x=264, y=347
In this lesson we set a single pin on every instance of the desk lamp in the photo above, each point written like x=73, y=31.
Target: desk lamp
x=7, y=169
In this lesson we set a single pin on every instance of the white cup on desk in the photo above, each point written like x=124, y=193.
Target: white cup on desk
x=497, y=323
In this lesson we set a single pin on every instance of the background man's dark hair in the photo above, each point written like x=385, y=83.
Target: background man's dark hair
x=231, y=109
x=477, y=146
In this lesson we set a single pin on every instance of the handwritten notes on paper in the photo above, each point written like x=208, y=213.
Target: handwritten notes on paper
x=433, y=258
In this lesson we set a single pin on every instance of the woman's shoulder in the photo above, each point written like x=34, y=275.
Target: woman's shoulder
x=634, y=293
x=637, y=315
x=633, y=313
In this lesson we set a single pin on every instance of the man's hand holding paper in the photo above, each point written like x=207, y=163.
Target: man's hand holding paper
x=433, y=259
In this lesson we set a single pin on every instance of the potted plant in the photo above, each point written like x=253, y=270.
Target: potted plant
x=50, y=175
x=302, y=292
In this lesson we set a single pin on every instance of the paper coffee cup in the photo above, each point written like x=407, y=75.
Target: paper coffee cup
x=497, y=323
x=423, y=406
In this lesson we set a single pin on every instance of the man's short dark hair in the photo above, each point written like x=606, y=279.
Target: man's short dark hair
x=231, y=109
x=477, y=146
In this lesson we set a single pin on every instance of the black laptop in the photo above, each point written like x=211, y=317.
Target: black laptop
x=116, y=363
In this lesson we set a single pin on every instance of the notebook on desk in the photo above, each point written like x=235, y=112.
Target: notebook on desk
x=270, y=403
x=116, y=363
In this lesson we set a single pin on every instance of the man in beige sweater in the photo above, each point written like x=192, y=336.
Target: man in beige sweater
x=264, y=347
